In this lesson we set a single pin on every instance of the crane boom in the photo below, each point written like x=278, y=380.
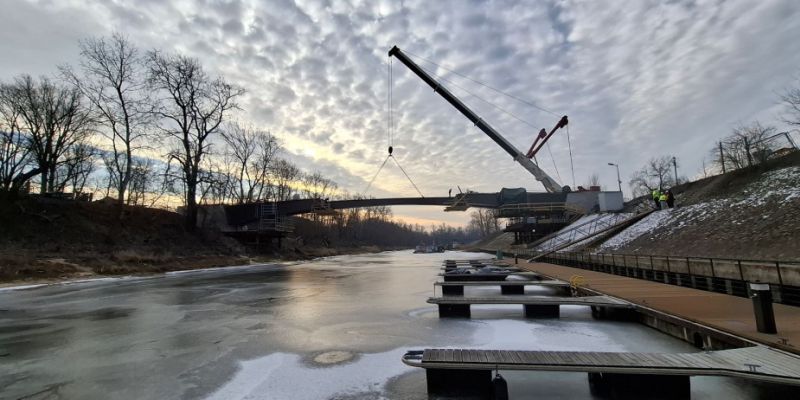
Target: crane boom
x=549, y=183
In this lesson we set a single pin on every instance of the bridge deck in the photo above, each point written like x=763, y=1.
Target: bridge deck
x=755, y=363
x=601, y=301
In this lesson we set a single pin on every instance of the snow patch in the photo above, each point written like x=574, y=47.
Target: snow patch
x=775, y=186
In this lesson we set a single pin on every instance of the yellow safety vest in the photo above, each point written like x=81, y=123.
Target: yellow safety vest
x=663, y=197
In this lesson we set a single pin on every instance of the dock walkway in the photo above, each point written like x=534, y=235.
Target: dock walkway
x=506, y=287
x=758, y=363
x=534, y=306
x=726, y=313
x=624, y=375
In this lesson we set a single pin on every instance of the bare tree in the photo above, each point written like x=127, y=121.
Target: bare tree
x=744, y=147
x=316, y=186
x=14, y=149
x=285, y=174
x=594, y=180
x=656, y=174
x=192, y=109
x=791, y=99
x=147, y=184
x=113, y=81
x=54, y=118
x=484, y=221
x=76, y=168
x=253, y=152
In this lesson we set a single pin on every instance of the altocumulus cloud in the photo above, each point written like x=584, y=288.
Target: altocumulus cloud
x=637, y=79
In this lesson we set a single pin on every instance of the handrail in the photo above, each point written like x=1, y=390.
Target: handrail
x=783, y=275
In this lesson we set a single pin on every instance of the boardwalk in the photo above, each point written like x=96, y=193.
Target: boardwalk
x=719, y=311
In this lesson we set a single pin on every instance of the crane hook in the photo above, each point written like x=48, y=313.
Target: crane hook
x=390, y=150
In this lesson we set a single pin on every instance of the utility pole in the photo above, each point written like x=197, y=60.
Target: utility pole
x=619, y=181
x=721, y=157
x=675, y=167
x=747, y=150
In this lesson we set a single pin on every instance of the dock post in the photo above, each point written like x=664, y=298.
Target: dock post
x=762, y=306
x=459, y=382
x=542, y=311
x=454, y=311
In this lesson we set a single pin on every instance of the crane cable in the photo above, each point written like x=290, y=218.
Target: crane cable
x=512, y=115
x=390, y=132
x=376, y=175
x=529, y=103
x=571, y=165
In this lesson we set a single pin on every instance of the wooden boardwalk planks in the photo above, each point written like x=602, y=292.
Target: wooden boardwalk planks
x=756, y=363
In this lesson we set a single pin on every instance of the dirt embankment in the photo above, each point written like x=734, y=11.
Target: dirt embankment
x=752, y=213
x=44, y=240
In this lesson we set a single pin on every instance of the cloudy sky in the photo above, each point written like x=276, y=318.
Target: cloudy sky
x=637, y=78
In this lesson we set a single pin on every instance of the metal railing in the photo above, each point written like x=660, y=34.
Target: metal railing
x=722, y=275
x=582, y=231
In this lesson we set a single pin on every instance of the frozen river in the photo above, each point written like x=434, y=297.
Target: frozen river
x=327, y=329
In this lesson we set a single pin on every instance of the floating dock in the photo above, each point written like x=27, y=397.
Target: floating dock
x=534, y=306
x=457, y=372
x=506, y=287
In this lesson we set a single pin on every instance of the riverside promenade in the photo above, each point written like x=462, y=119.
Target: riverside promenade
x=726, y=313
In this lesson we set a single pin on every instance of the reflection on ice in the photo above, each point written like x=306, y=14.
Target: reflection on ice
x=283, y=376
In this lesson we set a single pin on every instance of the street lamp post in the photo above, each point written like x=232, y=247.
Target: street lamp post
x=619, y=181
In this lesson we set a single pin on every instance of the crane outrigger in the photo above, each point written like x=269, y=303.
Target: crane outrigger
x=523, y=159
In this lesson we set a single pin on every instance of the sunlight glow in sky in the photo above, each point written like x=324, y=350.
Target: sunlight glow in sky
x=637, y=79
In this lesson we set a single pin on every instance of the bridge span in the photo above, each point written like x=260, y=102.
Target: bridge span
x=526, y=211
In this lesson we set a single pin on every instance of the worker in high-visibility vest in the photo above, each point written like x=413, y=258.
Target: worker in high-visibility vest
x=662, y=199
x=656, y=198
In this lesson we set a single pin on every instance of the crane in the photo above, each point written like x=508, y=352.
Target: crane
x=523, y=159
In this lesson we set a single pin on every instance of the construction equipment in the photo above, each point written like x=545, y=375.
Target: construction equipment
x=544, y=136
x=549, y=183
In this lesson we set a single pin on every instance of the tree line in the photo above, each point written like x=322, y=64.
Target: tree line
x=748, y=144
x=141, y=126
x=155, y=124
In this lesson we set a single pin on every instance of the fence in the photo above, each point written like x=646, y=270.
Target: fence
x=720, y=275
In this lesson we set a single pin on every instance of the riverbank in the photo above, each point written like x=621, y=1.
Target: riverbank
x=26, y=269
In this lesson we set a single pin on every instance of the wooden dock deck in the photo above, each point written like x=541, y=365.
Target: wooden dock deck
x=534, y=306
x=644, y=374
x=506, y=287
x=494, y=276
x=758, y=363
x=722, y=312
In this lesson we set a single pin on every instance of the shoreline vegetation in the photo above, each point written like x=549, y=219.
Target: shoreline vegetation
x=52, y=270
